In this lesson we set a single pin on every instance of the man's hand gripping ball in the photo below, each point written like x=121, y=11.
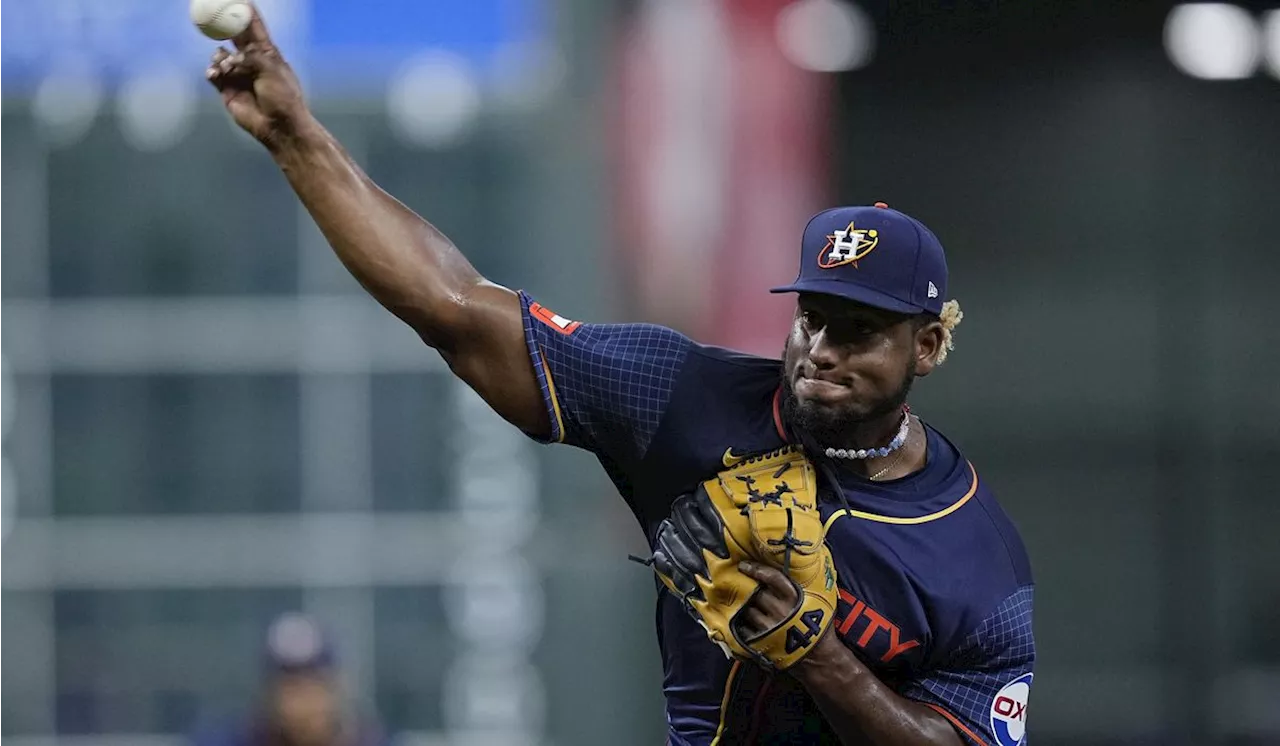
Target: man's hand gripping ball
x=258, y=87
x=763, y=511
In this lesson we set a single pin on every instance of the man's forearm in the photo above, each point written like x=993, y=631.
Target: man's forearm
x=860, y=707
x=404, y=262
x=412, y=269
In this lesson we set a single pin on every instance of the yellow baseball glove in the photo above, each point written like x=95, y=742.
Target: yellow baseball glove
x=764, y=510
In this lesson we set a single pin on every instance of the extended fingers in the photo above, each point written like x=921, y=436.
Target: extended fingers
x=765, y=612
x=770, y=578
x=772, y=603
x=755, y=622
x=256, y=33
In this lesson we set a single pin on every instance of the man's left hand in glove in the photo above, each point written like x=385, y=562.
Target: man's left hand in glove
x=763, y=512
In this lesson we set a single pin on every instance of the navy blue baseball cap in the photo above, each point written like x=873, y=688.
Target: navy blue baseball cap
x=874, y=255
x=296, y=643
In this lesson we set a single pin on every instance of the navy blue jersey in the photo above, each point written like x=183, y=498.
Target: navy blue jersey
x=935, y=585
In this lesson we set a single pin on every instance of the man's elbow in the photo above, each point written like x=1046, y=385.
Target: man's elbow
x=474, y=317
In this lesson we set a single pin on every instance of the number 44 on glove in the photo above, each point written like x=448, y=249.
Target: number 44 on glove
x=764, y=510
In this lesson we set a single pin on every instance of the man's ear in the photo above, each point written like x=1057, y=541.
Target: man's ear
x=928, y=344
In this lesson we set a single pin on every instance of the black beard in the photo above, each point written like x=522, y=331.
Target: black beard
x=819, y=426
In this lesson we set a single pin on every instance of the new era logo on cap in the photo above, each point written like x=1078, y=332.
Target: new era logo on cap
x=873, y=255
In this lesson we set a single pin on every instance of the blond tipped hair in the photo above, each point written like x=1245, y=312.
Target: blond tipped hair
x=950, y=317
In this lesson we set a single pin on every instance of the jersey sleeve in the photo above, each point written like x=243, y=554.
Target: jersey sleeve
x=983, y=686
x=606, y=387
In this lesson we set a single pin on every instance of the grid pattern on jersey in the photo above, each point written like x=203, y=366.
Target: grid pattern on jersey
x=612, y=381
x=999, y=650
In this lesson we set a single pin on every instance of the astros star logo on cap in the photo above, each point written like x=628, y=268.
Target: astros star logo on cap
x=847, y=247
x=908, y=275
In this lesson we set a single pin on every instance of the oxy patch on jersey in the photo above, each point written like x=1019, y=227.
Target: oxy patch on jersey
x=1009, y=711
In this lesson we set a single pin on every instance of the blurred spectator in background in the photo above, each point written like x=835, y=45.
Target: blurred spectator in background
x=301, y=703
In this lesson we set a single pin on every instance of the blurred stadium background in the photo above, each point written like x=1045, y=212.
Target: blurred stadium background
x=207, y=423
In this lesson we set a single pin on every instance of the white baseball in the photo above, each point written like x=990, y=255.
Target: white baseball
x=221, y=19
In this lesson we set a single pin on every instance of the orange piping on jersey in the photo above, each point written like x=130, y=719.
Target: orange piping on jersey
x=956, y=722
x=555, y=400
x=724, y=701
x=973, y=488
x=777, y=415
